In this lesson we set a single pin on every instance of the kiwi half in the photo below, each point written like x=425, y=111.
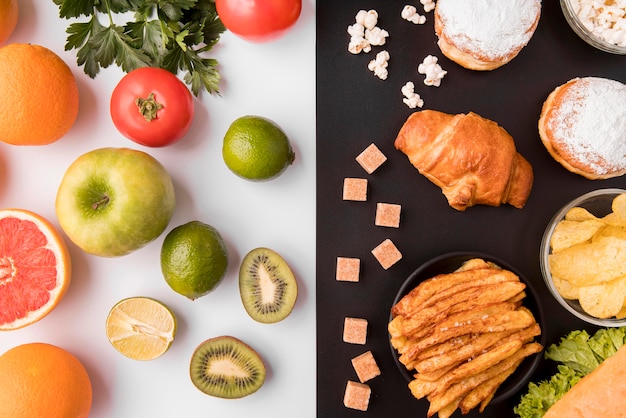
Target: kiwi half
x=267, y=286
x=226, y=367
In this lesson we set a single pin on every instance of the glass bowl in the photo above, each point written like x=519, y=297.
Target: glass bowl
x=447, y=263
x=598, y=203
x=569, y=8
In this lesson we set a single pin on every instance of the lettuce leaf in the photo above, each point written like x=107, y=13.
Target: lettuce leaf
x=577, y=355
x=542, y=396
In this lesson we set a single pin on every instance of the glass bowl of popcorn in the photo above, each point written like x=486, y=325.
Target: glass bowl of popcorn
x=600, y=23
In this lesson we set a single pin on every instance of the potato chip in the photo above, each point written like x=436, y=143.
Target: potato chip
x=622, y=312
x=603, y=300
x=568, y=233
x=613, y=219
x=579, y=214
x=593, y=263
x=617, y=231
x=619, y=207
x=565, y=288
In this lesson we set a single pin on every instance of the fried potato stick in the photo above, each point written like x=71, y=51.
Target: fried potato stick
x=463, y=300
x=440, y=287
x=484, y=393
x=494, y=318
x=471, y=381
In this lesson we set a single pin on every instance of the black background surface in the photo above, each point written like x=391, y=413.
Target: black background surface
x=354, y=109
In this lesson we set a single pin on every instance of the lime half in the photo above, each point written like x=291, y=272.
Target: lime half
x=141, y=328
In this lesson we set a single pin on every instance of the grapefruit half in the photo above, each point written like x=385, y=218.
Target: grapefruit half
x=35, y=268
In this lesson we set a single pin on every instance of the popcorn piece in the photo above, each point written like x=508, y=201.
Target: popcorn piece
x=357, y=396
x=355, y=330
x=365, y=366
x=367, y=18
x=376, y=36
x=410, y=13
x=387, y=254
x=411, y=99
x=358, y=42
x=348, y=269
x=379, y=65
x=388, y=214
x=356, y=31
x=429, y=5
x=355, y=189
x=433, y=71
x=371, y=158
x=356, y=45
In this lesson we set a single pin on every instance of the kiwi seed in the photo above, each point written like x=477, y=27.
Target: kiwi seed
x=226, y=367
x=267, y=286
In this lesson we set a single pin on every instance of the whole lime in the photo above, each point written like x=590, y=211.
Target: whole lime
x=257, y=149
x=194, y=259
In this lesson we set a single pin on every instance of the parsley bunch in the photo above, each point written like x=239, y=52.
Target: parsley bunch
x=170, y=34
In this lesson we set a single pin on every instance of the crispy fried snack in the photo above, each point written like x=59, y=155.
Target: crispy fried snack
x=463, y=334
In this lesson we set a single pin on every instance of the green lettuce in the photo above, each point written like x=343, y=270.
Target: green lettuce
x=577, y=355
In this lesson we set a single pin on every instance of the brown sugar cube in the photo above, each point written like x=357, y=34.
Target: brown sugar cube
x=387, y=254
x=365, y=366
x=355, y=189
x=354, y=330
x=357, y=396
x=388, y=214
x=348, y=269
x=371, y=158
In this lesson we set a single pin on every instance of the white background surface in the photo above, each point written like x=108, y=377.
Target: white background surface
x=275, y=80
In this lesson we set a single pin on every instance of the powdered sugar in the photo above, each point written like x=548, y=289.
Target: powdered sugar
x=592, y=122
x=492, y=28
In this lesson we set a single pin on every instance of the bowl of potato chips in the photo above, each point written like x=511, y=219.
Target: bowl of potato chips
x=583, y=257
x=464, y=331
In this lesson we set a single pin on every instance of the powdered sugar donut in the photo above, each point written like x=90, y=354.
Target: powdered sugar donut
x=583, y=126
x=485, y=34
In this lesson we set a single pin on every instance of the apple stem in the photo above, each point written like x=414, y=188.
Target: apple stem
x=100, y=202
x=148, y=107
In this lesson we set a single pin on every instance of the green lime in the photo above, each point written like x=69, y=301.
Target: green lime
x=194, y=259
x=256, y=148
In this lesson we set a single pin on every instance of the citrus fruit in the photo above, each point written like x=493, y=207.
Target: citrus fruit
x=35, y=268
x=39, y=95
x=194, y=259
x=43, y=380
x=141, y=328
x=9, y=13
x=256, y=148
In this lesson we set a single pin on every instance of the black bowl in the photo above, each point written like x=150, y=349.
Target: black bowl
x=448, y=263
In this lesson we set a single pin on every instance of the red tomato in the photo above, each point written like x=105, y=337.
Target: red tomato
x=258, y=20
x=152, y=107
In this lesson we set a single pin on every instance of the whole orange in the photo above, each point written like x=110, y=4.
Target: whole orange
x=8, y=18
x=39, y=95
x=43, y=380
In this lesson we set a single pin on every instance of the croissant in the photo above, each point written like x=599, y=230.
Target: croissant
x=472, y=159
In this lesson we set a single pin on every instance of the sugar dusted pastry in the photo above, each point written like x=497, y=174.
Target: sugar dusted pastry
x=583, y=127
x=485, y=34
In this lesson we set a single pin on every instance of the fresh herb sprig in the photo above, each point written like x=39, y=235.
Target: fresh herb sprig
x=170, y=34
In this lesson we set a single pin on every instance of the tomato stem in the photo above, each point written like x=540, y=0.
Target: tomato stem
x=148, y=107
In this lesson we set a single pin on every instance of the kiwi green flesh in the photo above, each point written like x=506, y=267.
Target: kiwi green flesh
x=226, y=367
x=267, y=286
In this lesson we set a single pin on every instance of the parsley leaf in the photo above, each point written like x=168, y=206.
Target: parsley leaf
x=172, y=34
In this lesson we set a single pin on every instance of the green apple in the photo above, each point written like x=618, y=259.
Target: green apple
x=113, y=201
